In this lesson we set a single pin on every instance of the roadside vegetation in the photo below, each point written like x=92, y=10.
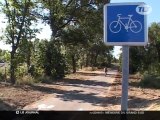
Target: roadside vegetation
x=150, y=81
x=145, y=60
x=76, y=41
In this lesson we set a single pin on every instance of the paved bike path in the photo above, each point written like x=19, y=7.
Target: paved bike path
x=85, y=95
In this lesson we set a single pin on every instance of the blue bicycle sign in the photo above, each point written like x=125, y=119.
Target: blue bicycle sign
x=124, y=24
x=134, y=26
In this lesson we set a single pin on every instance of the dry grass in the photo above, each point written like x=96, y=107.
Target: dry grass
x=89, y=68
x=26, y=80
x=16, y=97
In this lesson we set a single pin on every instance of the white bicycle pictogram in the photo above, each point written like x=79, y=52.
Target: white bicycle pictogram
x=134, y=26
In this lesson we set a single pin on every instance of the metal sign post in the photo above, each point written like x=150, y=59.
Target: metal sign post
x=125, y=76
x=125, y=25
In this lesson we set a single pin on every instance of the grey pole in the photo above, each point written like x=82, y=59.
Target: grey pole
x=125, y=76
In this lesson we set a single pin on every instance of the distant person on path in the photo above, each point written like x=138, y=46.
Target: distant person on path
x=105, y=71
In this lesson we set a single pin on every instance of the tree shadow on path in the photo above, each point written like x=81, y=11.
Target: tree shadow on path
x=74, y=95
x=71, y=95
x=90, y=74
x=6, y=107
x=136, y=102
x=92, y=98
x=85, y=82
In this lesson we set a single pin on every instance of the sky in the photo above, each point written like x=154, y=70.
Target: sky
x=154, y=16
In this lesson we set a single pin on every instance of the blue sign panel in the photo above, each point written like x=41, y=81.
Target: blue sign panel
x=124, y=24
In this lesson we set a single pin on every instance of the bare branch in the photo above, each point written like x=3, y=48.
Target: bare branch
x=69, y=3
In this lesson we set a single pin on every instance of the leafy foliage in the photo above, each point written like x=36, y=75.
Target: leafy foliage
x=19, y=19
x=151, y=81
x=146, y=59
x=50, y=59
x=76, y=41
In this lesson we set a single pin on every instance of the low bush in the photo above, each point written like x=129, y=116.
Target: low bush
x=26, y=80
x=90, y=68
x=45, y=79
x=150, y=81
x=2, y=77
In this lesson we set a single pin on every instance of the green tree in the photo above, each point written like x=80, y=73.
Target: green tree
x=154, y=37
x=154, y=47
x=62, y=14
x=50, y=60
x=147, y=58
x=73, y=40
x=18, y=14
x=25, y=52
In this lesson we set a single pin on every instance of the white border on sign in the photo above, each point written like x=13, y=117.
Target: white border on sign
x=124, y=43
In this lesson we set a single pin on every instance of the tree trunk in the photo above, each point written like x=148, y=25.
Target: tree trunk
x=12, y=67
x=87, y=56
x=95, y=59
x=92, y=59
x=48, y=61
x=73, y=63
x=29, y=58
x=158, y=51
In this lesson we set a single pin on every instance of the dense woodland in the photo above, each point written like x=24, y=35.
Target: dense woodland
x=76, y=40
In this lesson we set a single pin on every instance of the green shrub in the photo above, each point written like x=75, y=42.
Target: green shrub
x=45, y=79
x=90, y=68
x=26, y=80
x=150, y=81
x=2, y=77
x=21, y=71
